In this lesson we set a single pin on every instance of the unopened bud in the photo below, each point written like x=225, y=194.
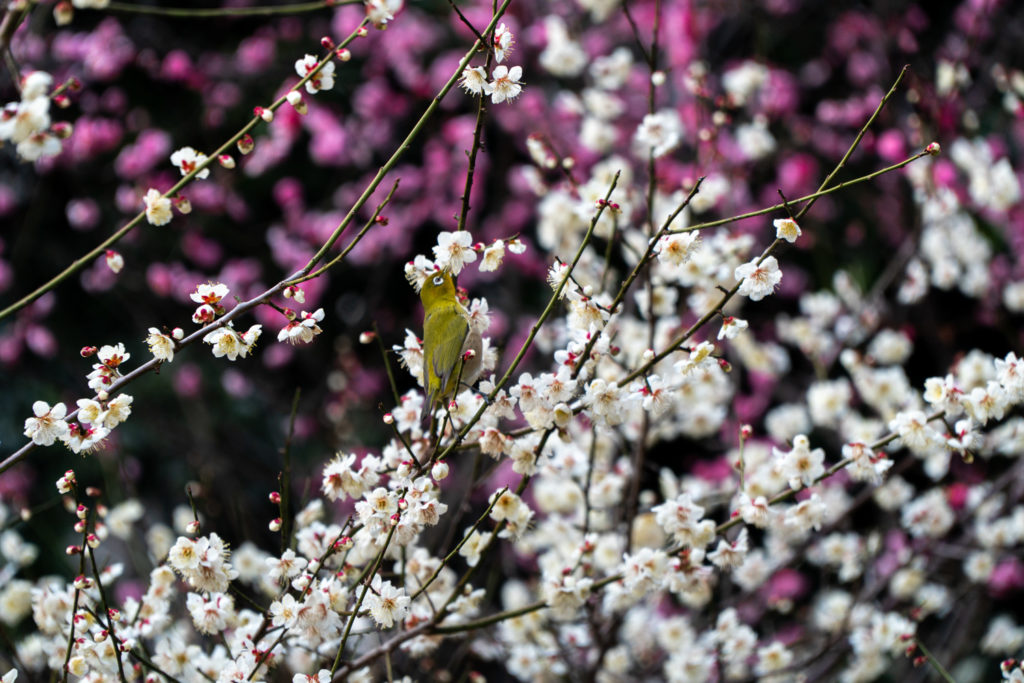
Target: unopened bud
x=275, y=524
x=275, y=497
x=343, y=54
x=182, y=204
x=227, y=161
x=295, y=99
x=63, y=13
x=933, y=148
x=245, y=144
x=439, y=471
x=367, y=337
x=114, y=261
x=265, y=114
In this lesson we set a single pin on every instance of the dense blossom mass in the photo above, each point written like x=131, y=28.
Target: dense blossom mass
x=745, y=309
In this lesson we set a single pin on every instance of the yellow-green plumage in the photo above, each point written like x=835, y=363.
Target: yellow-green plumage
x=446, y=337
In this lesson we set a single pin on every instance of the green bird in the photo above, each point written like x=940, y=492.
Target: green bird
x=447, y=337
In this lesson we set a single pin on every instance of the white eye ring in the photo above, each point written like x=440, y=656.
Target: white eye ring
x=438, y=280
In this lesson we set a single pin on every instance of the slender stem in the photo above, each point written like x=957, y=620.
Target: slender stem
x=228, y=12
x=814, y=196
x=387, y=365
x=941, y=670
x=74, y=609
x=106, y=611
x=241, y=308
x=727, y=296
x=404, y=145
x=286, y=477
x=359, y=602
x=478, y=129
x=89, y=257
x=637, y=269
x=856, y=142
x=455, y=550
x=355, y=240
x=536, y=327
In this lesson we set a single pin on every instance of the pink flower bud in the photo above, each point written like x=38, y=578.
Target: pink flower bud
x=114, y=261
x=245, y=144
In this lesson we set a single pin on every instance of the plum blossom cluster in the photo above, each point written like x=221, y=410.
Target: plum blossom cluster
x=224, y=340
x=27, y=124
x=95, y=417
x=505, y=84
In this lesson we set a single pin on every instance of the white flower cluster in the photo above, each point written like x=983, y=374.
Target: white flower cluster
x=26, y=123
x=505, y=84
x=95, y=417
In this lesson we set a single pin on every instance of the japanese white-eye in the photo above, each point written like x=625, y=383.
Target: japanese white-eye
x=447, y=337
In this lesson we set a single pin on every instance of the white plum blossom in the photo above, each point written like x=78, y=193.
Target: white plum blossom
x=493, y=256
x=659, y=133
x=303, y=329
x=160, y=345
x=188, y=160
x=323, y=80
x=203, y=563
x=563, y=56
x=47, y=424
x=801, y=465
x=786, y=229
x=380, y=12
x=504, y=84
x=473, y=80
x=915, y=432
x=730, y=554
x=758, y=280
x=865, y=464
x=454, y=250
x=386, y=603
x=158, y=207
x=754, y=140
x=676, y=249
x=731, y=327
x=227, y=342
x=503, y=42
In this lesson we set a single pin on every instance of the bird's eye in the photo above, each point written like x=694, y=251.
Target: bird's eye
x=438, y=280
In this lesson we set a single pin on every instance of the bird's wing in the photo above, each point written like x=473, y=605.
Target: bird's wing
x=445, y=358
